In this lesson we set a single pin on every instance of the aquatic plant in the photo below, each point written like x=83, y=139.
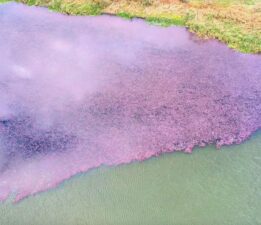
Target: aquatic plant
x=86, y=92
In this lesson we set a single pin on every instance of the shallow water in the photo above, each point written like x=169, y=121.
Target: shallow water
x=81, y=92
x=206, y=187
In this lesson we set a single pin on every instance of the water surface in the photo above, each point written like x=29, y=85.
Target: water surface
x=81, y=92
x=206, y=187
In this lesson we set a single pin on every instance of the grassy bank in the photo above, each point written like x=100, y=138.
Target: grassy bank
x=3, y=1
x=234, y=22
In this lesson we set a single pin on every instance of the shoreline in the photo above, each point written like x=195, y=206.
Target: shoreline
x=117, y=122
x=236, y=25
x=102, y=196
x=17, y=198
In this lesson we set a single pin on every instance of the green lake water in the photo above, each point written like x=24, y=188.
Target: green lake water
x=207, y=187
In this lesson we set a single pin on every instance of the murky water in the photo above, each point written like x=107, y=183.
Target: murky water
x=78, y=93
x=206, y=187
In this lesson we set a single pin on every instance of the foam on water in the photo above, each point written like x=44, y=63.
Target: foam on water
x=79, y=92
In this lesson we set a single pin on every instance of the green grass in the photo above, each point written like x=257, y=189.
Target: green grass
x=70, y=8
x=4, y=1
x=229, y=33
x=75, y=8
x=125, y=15
x=227, y=29
x=161, y=21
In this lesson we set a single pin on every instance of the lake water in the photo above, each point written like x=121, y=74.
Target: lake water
x=84, y=96
x=206, y=187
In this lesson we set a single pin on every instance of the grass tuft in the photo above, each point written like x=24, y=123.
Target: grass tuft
x=75, y=8
x=166, y=22
x=125, y=15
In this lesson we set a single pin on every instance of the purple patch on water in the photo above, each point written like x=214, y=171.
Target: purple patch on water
x=79, y=92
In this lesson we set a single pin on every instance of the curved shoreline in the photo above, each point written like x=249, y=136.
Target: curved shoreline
x=22, y=196
x=236, y=25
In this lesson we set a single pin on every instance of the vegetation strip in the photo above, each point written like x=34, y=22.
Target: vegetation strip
x=236, y=23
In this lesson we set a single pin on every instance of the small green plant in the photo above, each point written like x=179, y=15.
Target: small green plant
x=75, y=8
x=161, y=21
x=55, y=5
x=32, y=2
x=83, y=9
x=125, y=15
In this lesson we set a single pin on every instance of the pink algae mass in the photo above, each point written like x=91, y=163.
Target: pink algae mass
x=79, y=92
